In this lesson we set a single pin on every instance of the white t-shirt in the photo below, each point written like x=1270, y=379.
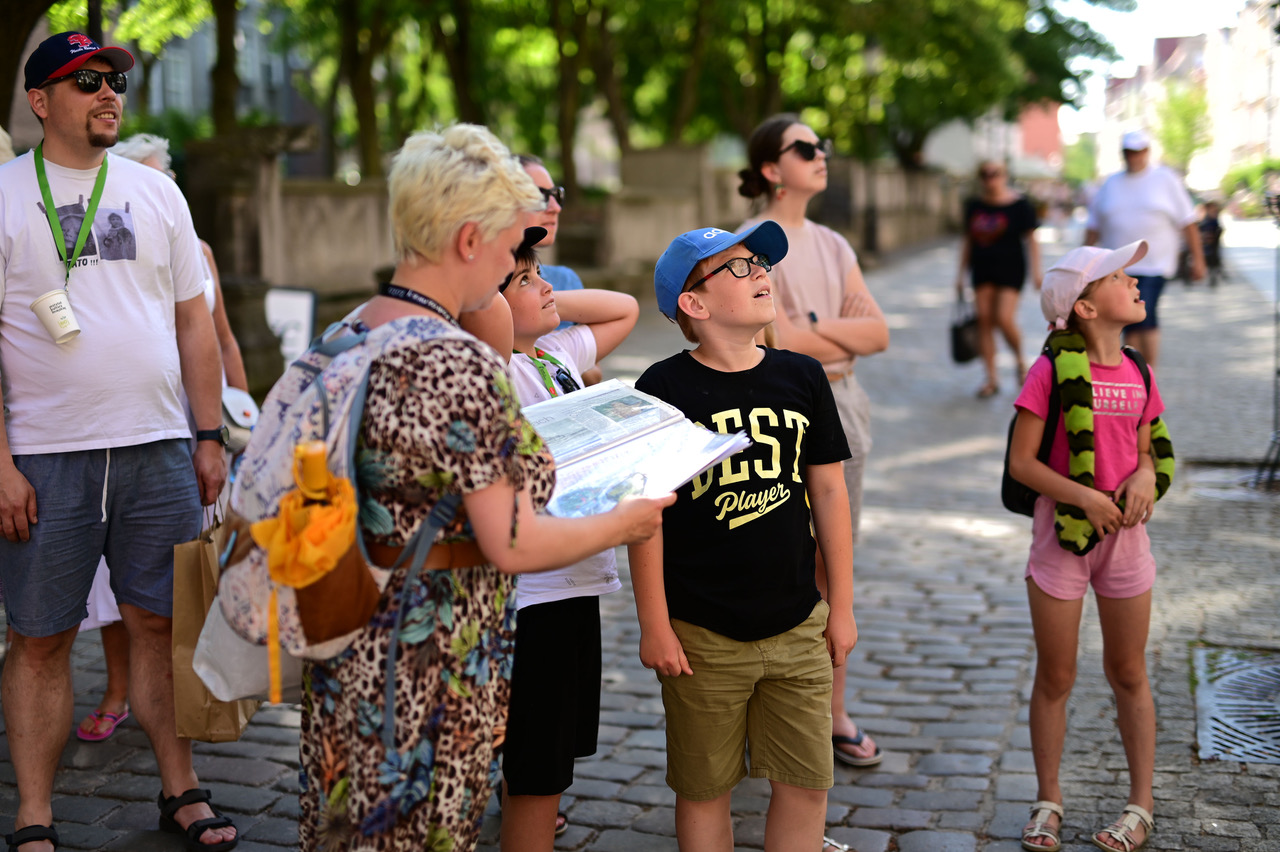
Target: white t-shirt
x=575, y=347
x=1151, y=205
x=118, y=383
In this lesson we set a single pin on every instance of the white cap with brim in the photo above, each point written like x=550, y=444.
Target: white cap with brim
x=1135, y=140
x=1066, y=279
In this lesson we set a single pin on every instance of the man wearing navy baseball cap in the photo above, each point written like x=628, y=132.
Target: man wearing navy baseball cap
x=731, y=578
x=95, y=452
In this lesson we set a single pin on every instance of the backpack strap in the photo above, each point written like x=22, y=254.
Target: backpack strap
x=1161, y=442
x=419, y=544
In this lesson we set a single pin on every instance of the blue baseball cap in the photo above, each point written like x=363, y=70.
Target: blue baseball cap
x=684, y=253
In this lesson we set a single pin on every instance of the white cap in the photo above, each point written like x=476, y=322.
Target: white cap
x=1066, y=279
x=1135, y=140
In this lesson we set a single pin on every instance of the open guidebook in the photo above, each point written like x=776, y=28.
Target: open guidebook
x=611, y=441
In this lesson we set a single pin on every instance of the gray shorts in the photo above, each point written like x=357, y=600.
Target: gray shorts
x=855, y=416
x=130, y=504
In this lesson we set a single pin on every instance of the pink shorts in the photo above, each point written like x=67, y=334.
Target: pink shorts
x=1119, y=566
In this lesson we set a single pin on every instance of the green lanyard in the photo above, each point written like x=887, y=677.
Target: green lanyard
x=565, y=379
x=85, y=225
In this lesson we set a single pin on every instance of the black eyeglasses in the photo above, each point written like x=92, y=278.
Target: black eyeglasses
x=988, y=174
x=809, y=150
x=556, y=192
x=90, y=81
x=739, y=267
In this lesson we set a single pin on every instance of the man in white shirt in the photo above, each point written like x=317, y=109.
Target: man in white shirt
x=1146, y=202
x=95, y=456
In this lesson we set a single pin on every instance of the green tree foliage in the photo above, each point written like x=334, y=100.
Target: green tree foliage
x=1080, y=160
x=1184, y=127
x=143, y=26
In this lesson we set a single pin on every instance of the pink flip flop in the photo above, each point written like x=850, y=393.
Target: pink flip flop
x=97, y=715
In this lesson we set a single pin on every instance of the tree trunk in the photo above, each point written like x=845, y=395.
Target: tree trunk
x=223, y=77
x=570, y=89
x=610, y=85
x=329, y=142
x=20, y=18
x=93, y=24
x=359, y=59
x=458, y=55
x=140, y=100
x=689, y=80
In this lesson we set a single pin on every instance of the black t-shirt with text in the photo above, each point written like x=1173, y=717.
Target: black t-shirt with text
x=738, y=550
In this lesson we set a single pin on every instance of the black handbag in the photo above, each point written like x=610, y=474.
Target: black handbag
x=964, y=331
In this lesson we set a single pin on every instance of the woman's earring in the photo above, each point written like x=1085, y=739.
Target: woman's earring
x=471, y=257
x=779, y=190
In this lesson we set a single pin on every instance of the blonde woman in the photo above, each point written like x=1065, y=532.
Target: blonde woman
x=440, y=418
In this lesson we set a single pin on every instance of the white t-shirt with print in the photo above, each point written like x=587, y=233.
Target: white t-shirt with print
x=118, y=383
x=575, y=347
x=1151, y=205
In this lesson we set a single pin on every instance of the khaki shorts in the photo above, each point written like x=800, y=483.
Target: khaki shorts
x=774, y=693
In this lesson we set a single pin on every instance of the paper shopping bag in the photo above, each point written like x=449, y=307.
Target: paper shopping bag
x=199, y=715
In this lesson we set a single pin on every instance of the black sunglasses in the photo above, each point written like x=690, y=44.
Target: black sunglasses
x=809, y=150
x=565, y=379
x=90, y=81
x=739, y=267
x=556, y=192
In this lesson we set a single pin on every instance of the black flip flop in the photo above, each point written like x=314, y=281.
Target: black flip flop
x=170, y=805
x=30, y=834
x=847, y=759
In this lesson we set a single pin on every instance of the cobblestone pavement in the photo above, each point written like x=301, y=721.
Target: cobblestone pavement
x=943, y=667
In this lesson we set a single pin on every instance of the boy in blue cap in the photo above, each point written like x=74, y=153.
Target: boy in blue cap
x=730, y=617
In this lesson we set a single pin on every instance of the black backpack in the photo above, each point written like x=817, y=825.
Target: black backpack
x=1021, y=498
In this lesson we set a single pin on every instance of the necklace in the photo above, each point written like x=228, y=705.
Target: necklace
x=413, y=297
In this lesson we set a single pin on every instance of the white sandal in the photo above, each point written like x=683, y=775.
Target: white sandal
x=828, y=843
x=1040, y=813
x=1122, y=829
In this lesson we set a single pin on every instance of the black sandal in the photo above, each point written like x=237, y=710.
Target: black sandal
x=32, y=833
x=170, y=805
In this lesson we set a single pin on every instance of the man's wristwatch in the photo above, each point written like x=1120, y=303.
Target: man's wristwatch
x=222, y=435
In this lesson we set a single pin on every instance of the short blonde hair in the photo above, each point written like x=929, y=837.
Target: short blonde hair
x=141, y=147
x=440, y=180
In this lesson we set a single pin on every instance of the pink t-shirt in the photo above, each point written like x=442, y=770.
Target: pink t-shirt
x=1120, y=406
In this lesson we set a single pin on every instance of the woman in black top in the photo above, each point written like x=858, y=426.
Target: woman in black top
x=999, y=238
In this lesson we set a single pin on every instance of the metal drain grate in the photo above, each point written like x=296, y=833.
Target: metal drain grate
x=1238, y=704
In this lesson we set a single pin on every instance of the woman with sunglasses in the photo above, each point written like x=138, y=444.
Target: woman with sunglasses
x=826, y=311
x=999, y=238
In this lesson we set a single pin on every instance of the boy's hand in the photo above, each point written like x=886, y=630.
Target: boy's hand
x=1102, y=512
x=842, y=635
x=1139, y=495
x=641, y=517
x=660, y=650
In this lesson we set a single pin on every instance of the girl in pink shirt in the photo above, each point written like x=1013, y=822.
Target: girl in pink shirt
x=1089, y=292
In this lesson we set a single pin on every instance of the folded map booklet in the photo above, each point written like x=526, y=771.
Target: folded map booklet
x=611, y=441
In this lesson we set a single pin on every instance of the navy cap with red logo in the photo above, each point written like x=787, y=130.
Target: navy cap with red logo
x=59, y=55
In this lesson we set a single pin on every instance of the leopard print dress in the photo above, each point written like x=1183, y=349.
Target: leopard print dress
x=440, y=418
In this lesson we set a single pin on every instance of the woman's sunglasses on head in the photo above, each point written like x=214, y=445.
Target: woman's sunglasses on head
x=90, y=81
x=809, y=150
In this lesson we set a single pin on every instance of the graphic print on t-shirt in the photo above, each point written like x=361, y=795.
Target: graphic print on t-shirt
x=986, y=228
x=749, y=488
x=116, y=228
x=1118, y=399
x=70, y=218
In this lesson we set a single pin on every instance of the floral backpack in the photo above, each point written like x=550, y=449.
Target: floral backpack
x=320, y=397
